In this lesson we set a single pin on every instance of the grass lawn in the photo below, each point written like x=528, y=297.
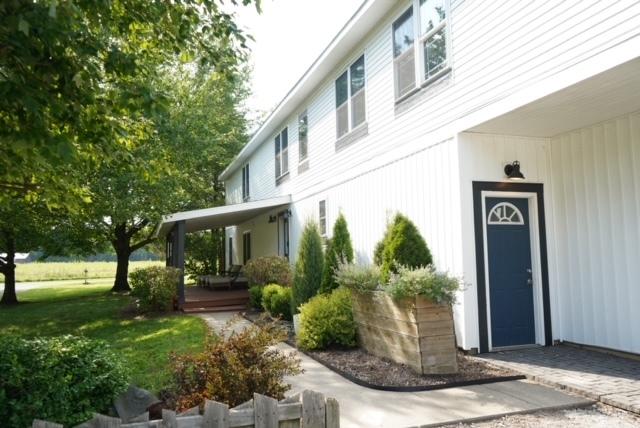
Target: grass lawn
x=92, y=311
x=49, y=271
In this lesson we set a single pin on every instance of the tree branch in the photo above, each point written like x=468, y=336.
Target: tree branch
x=142, y=243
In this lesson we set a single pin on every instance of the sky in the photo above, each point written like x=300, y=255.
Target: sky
x=289, y=35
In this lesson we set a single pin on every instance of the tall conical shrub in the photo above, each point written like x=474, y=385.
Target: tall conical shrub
x=307, y=276
x=404, y=246
x=339, y=250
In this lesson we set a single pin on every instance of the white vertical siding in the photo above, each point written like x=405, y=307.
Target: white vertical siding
x=596, y=202
x=482, y=158
x=423, y=186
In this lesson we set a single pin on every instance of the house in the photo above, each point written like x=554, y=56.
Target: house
x=509, y=133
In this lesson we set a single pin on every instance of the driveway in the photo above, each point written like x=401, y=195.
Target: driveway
x=364, y=407
x=608, y=378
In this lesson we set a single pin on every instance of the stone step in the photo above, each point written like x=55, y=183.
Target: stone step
x=205, y=309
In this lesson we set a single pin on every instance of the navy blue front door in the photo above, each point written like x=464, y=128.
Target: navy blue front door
x=510, y=278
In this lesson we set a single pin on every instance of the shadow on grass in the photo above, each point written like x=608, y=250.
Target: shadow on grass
x=144, y=342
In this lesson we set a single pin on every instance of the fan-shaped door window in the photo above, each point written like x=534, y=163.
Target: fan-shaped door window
x=505, y=213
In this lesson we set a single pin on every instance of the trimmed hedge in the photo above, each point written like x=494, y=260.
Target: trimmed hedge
x=307, y=276
x=339, y=250
x=268, y=270
x=404, y=246
x=327, y=320
x=61, y=379
x=155, y=287
x=255, y=297
x=276, y=300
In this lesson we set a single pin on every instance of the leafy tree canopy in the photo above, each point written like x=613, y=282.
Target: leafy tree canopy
x=76, y=80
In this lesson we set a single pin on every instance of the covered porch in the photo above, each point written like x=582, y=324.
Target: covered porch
x=578, y=152
x=174, y=228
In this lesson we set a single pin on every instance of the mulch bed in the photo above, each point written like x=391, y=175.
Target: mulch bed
x=379, y=373
x=375, y=371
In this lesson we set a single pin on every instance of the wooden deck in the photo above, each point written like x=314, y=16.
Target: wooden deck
x=199, y=299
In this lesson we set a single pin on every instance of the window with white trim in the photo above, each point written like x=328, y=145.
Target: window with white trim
x=350, y=98
x=505, y=213
x=245, y=182
x=282, y=153
x=303, y=127
x=322, y=217
x=416, y=63
x=246, y=247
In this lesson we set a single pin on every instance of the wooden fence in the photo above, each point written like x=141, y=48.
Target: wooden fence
x=308, y=409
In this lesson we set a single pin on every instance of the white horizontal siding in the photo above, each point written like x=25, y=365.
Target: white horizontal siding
x=498, y=47
x=596, y=200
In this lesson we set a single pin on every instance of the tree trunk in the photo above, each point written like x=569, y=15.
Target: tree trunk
x=8, y=269
x=123, y=251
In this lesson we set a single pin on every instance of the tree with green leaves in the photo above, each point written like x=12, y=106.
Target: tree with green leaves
x=404, y=246
x=76, y=79
x=84, y=116
x=307, y=275
x=339, y=251
x=173, y=167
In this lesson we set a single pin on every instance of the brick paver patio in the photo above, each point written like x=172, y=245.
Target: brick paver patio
x=610, y=379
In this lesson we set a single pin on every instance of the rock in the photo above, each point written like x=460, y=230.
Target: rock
x=134, y=402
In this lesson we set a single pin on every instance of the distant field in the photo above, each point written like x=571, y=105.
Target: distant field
x=73, y=270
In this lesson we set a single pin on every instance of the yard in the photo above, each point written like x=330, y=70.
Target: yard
x=91, y=310
x=50, y=271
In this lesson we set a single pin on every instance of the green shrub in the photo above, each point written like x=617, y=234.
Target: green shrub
x=231, y=369
x=404, y=246
x=358, y=277
x=426, y=282
x=155, y=287
x=255, y=297
x=379, y=248
x=339, y=250
x=268, y=270
x=307, y=276
x=61, y=379
x=327, y=320
x=277, y=300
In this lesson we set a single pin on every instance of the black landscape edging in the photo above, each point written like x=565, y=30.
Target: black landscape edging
x=416, y=388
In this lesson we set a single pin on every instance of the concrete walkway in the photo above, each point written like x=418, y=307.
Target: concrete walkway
x=364, y=407
x=608, y=378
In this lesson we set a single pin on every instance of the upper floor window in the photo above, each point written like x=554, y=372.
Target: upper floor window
x=425, y=22
x=350, y=98
x=245, y=182
x=282, y=153
x=303, y=125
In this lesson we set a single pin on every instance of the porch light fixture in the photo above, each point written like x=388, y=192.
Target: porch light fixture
x=273, y=219
x=512, y=170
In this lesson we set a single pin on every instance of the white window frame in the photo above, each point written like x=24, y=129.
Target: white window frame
x=246, y=249
x=418, y=50
x=245, y=183
x=301, y=159
x=279, y=156
x=350, y=96
x=322, y=219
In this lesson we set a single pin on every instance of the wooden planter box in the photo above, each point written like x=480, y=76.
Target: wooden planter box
x=415, y=332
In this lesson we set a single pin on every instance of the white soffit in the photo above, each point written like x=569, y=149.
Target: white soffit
x=604, y=96
x=226, y=215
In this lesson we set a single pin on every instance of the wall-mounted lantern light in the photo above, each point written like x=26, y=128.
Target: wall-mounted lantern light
x=273, y=219
x=512, y=170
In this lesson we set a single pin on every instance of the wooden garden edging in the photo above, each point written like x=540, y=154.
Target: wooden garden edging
x=308, y=409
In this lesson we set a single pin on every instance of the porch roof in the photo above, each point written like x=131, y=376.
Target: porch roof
x=227, y=215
